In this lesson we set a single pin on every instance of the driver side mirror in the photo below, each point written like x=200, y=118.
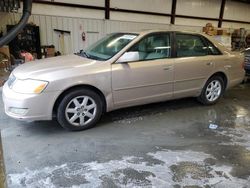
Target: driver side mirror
x=128, y=57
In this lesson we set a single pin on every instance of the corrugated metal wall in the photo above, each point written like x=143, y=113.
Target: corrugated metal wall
x=94, y=29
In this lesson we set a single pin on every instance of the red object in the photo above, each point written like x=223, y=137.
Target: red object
x=27, y=56
x=83, y=36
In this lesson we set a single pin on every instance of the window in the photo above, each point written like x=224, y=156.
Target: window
x=110, y=45
x=190, y=45
x=212, y=49
x=154, y=46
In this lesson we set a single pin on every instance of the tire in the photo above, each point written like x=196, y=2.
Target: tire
x=79, y=110
x=212, y=91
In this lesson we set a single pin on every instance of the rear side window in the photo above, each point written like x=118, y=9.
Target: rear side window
x=190, y=45
x=212, y=49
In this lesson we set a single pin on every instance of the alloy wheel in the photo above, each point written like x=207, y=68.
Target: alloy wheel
x=81, y=110
x=213, y=90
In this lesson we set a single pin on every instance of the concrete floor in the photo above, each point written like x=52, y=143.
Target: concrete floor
x=159, y=145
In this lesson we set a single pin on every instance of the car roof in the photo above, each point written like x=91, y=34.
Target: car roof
x=162, y=30
x=155, y=31
x=165, y=30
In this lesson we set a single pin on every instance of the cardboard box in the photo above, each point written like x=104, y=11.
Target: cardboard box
x=50, y=52
x=5, y=50
x=222, y=32
x=209, y=25
x=212, y=32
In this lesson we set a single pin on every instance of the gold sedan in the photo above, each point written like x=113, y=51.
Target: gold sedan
x=122, y=70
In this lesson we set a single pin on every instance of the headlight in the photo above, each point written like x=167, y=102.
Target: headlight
x=29, y=86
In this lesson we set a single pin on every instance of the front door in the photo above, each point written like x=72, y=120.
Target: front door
x=150, y=79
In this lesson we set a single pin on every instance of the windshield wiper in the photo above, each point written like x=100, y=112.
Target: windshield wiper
x=96, y=58
x=83, y=53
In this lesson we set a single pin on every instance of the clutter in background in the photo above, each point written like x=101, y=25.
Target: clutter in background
x=212, y=31
x=236, y=40
x=5, y=64
x=48, y=51
x=28, y=40
x=25, y=47
x=240, y=39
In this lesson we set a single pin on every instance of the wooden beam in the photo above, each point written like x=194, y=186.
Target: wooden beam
x=236, y=21
x=68, y=4
x=222, y=8
x=196, y=17
x=173, y=11
x=139, y=12
x=107, y=9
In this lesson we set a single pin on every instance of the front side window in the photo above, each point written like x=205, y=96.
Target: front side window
x=154, y=46
x=190, y=45
x=109, y=46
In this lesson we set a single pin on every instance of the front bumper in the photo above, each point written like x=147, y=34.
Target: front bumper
x=37, y=106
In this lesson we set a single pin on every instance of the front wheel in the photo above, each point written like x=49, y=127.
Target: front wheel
x=212, y=91
x=79, y=110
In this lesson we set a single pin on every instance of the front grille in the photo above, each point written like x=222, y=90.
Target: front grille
x=11, y=80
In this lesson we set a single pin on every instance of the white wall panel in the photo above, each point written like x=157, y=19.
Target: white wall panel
x=235, y=25
x=116, y=26
x=139, y=17
x=54, y=35
x=48, y=21
x=17, y=17
x=59, y=23
x=162, y=6
x=43, y=30
x=201, y=8
x=36, y=19
x=185, y=28
x=66, y=11
x=6, y=19
x=237, y=11
x=76, y=35
x=194, y=22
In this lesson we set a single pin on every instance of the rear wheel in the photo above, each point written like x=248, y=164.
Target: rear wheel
x=212, y=91
x=79, y=110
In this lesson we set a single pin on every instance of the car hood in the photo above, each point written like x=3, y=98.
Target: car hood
x=51, y=65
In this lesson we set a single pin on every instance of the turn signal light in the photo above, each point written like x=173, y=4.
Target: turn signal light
x=40, y=88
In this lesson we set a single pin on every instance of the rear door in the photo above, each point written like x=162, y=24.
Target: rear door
x=193, y=64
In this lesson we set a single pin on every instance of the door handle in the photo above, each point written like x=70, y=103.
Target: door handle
x=228, y=66
x=209, y=63
x=167, y=68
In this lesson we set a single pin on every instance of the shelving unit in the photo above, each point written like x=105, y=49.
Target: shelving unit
x=27, y=40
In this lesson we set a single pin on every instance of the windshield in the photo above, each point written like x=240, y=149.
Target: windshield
x=108, y=46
